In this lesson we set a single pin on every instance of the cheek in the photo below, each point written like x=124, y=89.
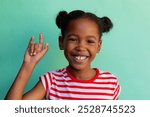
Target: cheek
x=69, y=46
x=95, y=48
x=67, y=49
x=94, y=51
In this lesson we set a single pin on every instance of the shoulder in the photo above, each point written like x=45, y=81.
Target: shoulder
x=105, y=75
x=111, y=81
x=48, y=77
x=57, y=72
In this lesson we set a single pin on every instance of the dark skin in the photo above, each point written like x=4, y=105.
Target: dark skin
x=33, y=54
x=80, y=44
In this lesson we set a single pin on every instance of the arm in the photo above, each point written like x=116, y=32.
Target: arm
x=32, y=56
x=37, y=93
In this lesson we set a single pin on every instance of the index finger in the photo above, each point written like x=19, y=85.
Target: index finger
x=31, y=41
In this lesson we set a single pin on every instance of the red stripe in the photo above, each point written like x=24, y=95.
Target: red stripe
x=105, y=73
x=99, y=77
x=70, y=81
x=82, y=93
x=62, y=73
x=107, y=78
x=60, y=70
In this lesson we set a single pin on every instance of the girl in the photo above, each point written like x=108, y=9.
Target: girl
x=80, y=40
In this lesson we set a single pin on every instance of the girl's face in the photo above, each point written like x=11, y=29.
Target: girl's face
x=81, y=43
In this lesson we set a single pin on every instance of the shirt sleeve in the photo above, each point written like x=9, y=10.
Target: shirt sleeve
x=117, y=91
x=46, y=81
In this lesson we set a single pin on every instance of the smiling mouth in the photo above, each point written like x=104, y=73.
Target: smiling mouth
x=80, y=59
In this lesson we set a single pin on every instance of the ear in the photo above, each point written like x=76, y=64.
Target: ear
x=99, y=46
x=60, y=43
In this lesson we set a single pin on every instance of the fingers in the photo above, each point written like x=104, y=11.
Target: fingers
x=31, y=41
x=41, y=38
x=45, y=48
x=31, y=49
x=41, y=41
x=35, y=48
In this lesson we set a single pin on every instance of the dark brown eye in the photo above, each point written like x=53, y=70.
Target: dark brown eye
x=72, y=39
x=91, y=41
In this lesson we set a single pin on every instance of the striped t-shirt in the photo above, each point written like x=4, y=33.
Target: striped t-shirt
x=60, y=84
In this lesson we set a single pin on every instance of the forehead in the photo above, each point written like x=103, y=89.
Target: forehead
x=83, y=26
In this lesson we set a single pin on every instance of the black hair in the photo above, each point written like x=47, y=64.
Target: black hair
x=63, y=19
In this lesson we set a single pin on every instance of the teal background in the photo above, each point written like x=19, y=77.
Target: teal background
x=125, y=49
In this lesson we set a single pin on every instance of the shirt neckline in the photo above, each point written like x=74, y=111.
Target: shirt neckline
x=78, y=80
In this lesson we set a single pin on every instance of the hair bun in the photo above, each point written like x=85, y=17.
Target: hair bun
x=106, y=24
x=60, y=19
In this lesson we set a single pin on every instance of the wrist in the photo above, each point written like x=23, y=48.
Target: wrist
x=28, y=65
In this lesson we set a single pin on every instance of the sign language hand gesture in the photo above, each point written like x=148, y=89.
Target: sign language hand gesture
x=35, y=51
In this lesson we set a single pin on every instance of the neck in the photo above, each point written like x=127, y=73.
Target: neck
x=85, y=74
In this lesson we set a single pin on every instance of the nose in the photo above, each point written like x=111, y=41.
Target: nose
x=81, y=46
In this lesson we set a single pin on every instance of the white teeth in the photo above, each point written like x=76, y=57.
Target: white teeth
x=80, y=57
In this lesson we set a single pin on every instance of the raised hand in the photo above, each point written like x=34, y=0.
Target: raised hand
x=35, y=51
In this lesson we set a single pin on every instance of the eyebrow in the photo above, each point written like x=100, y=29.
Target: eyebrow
x=72, y=35
x=89, y=36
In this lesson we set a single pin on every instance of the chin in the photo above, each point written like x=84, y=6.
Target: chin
x=78, y=67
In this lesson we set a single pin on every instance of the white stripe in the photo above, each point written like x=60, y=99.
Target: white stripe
x=62, y=78
x=105, y=80
x=107, y=75
x=117, y=93
x=49, y=84
x=80, y=95
x=82, y=90
x=53, y=98
x=84, y=84
x=58, y=72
